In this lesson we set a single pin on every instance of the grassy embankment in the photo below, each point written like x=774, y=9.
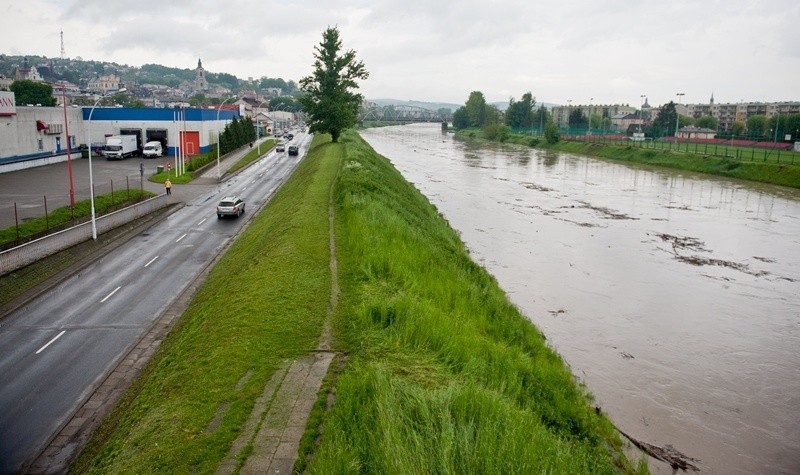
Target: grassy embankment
x=765, y=171
x=62, y=217
x=443, y=374
x=263, y=303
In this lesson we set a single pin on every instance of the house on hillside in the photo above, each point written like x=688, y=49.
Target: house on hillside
x=252, y=107
x=104, y=84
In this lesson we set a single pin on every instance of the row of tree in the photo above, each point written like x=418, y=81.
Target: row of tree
x=238, y=132
x=497, y=124
x=523, y=114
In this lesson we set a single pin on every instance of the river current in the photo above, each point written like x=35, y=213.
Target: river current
x=675, y=297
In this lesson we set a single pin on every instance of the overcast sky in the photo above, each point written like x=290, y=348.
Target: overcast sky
x=439, y=50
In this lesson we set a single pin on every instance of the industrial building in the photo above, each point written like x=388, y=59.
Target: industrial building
x=35, y=136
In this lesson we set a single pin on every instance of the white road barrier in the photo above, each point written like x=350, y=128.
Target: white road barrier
x=20, y=256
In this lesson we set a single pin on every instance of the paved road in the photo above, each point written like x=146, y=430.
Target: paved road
x=58, y=348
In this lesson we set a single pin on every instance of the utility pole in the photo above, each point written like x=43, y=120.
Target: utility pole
x=69, y=145
x=677, y=115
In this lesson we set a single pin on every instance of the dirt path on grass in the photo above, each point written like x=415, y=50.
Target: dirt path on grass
x=270, y=439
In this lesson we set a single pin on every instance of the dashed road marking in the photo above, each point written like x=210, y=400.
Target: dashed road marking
x=109, y=295
x=51, y=342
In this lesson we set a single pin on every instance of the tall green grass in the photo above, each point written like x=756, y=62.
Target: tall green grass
x=263, y=303
x=444, y=374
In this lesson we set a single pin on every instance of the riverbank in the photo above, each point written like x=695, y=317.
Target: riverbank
x=436, y=372
x=783, y=174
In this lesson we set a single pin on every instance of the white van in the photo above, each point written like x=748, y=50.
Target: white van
x=152, y=149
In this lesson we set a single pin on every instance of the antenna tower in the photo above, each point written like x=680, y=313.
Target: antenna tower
x=63, y=53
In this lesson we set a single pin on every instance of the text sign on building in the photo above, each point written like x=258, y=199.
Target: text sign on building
x=8, y=105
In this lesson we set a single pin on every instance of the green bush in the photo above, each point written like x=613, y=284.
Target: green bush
x=498, y=132
x=551, y=133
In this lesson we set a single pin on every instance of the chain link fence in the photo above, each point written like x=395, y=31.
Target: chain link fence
x=31, y=217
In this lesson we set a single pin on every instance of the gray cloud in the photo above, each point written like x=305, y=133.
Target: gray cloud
x=612, y=50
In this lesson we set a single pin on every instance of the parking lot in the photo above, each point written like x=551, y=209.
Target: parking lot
x=28, y=188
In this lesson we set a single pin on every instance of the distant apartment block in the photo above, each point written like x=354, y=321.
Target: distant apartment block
x=622, y=116
x=561, y=113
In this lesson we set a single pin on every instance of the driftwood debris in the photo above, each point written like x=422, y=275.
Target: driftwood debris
x=668, y=454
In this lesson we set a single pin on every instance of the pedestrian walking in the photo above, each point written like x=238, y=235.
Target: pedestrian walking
x=168, y=186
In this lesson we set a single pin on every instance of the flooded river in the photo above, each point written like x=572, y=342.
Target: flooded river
x=675, y=297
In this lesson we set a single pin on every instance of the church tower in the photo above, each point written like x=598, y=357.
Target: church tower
x=200, y=83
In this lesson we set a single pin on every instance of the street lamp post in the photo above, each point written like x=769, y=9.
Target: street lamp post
x=279, y=108
x=258, y=127
x=91, y=176
x=589, y=117
x=777, y=122
x=219, y=175
x=641, y=111
x=677, y=115
x=541, y=120
x=569, y=112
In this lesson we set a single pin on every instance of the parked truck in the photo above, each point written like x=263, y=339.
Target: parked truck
x=120, y=146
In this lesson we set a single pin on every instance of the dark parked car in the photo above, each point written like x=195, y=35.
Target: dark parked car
x=293, y=150
x=230, y=206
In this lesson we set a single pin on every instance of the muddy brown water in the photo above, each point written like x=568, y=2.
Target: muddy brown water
x=674, y=297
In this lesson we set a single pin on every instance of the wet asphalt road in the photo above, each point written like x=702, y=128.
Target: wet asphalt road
x=59, y=347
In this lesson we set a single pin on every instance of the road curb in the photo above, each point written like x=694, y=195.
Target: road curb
x=77, y=431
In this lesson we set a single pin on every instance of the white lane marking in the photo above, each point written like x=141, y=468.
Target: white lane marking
x=151, y=261
x=179, y=239
x=51, y=341
x=201, y=222
x=112, y=293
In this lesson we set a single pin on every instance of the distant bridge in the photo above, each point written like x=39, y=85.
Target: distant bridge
x=401, y=113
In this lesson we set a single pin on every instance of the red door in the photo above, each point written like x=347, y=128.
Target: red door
x=190, y=142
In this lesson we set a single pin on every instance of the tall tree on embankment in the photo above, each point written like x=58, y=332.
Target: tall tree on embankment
x=330, y=100
x=520, y=114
